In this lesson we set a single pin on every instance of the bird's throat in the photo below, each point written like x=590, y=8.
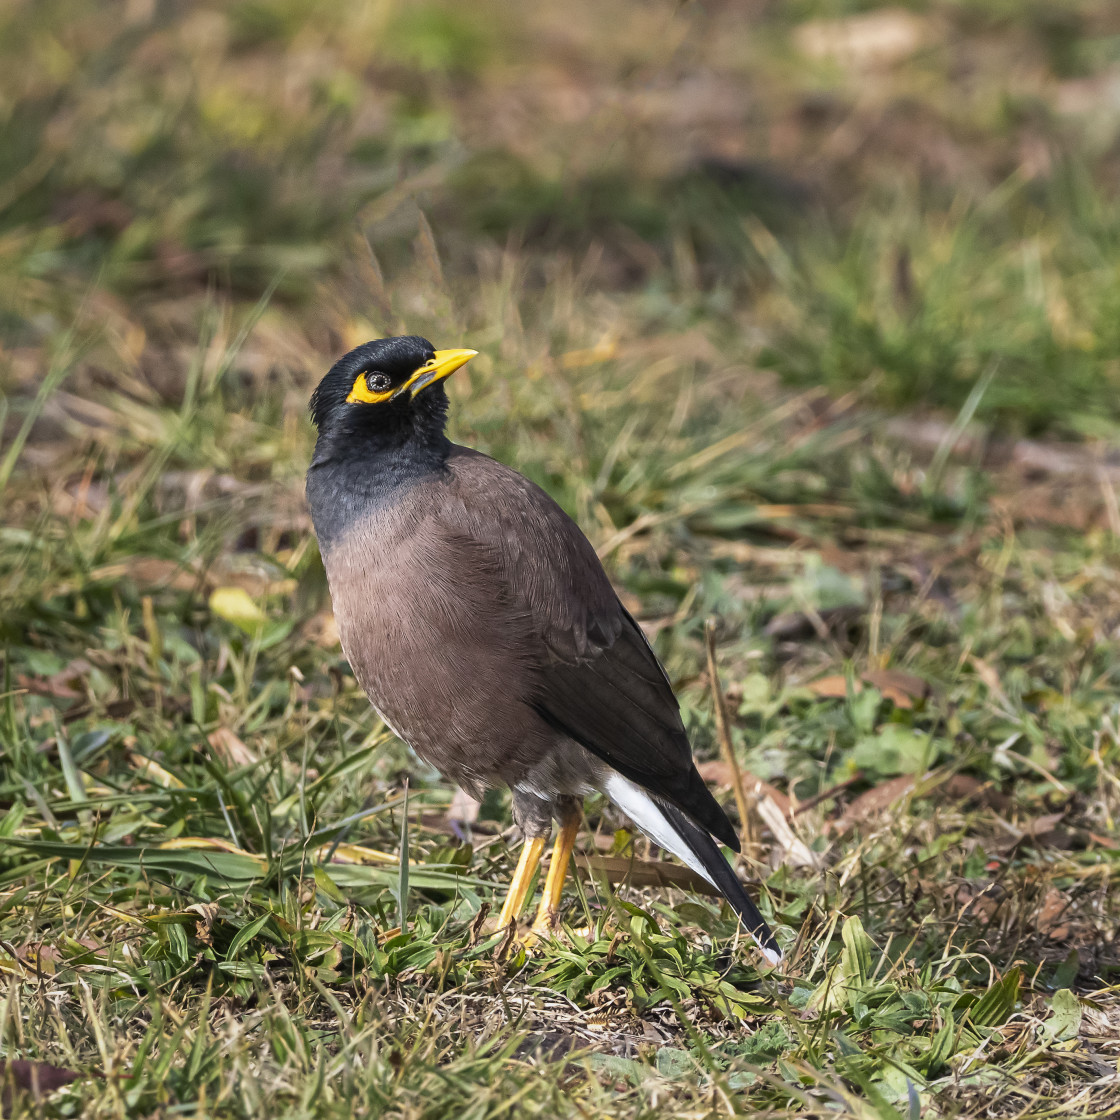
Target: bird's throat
x=363, y=461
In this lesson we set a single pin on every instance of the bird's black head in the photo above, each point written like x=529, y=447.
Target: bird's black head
x=385, y=395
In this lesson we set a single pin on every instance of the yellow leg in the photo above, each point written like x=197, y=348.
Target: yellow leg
x=557, y=869
x=519, y=886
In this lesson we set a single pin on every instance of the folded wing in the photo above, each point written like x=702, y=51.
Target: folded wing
x=600, y=682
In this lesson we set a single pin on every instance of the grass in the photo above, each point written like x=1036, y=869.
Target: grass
x=215, y=896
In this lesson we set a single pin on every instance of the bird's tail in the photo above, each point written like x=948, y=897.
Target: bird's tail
x=672, y=829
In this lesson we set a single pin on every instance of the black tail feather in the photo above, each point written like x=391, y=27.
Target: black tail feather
x=707, y=852
x=697, y=800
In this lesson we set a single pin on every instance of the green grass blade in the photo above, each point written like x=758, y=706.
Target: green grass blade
x=402, y=874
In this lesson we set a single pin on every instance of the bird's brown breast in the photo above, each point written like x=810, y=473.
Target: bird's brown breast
x=445, y=648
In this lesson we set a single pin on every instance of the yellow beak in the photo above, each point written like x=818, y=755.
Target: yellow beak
x=444, y=364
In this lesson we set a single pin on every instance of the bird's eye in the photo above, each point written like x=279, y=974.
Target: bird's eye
x=378, y=382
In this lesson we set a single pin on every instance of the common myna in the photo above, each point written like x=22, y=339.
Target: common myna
x=481, y=625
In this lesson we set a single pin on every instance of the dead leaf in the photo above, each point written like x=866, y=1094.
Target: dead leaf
x=990, y=678
x=153, y=772
x=41, y=956
x=1054, y=908
x=867, y=41
x=207, y=913
x=1038, y=831
x=950, y=787
x=1041, y=829
x=60, y=685
x=979, y=900
x=232, y=750
x=794, y=850
x=322, y=629
x=719, y=774
x=1061, y=502
x=463, y=808
x=147, y=572
x=902, y=689
x=808, y=509
x=834, y=687
x=792, y=626
x=964, y=787
x=874, y=801
x=13, y=966
x=153, y=572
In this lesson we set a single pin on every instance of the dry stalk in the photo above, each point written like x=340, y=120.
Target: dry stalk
x=748, y=833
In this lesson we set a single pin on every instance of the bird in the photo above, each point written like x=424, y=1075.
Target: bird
x=479, y=621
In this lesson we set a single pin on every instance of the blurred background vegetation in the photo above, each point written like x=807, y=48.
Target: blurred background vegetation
x=887, y=201
x=808, y=310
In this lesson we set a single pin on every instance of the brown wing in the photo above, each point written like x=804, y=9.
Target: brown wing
x=599, y=681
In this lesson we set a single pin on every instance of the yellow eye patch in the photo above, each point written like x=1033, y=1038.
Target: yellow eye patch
x=363, y=392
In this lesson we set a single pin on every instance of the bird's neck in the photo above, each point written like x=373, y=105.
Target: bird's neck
x=358, y=467
x=374, y=457
x=386, y=441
